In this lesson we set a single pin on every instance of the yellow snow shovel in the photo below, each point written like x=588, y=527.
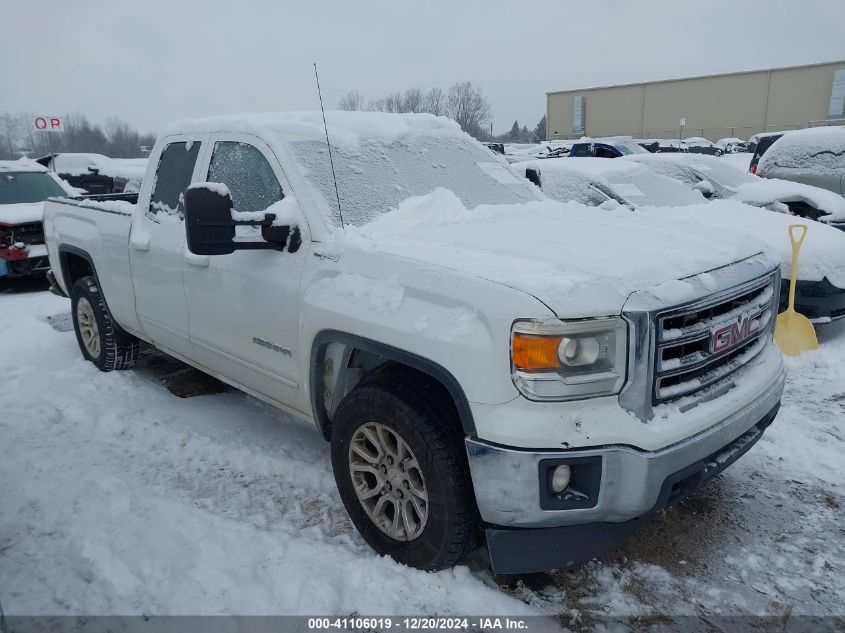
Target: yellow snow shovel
x=794, y=333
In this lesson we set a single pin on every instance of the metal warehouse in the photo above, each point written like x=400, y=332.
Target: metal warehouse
x=713, y=106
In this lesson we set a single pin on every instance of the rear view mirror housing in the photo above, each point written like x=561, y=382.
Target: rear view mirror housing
x=210, y=227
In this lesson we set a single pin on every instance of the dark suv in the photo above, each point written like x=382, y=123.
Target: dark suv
x=758, y=145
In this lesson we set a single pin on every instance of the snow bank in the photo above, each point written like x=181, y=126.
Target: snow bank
x=120, y=498
x=738, y=160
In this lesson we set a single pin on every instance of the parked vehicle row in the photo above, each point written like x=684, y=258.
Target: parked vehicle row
x=485, y=362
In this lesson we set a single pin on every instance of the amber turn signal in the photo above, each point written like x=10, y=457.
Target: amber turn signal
x=535, y=352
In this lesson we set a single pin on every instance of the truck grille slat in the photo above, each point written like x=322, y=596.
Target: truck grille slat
x=701, y=344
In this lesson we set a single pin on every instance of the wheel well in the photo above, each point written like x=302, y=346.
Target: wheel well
x=75, y=266
x=339, y=364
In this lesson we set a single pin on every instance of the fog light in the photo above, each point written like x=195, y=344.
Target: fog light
x=560, y=478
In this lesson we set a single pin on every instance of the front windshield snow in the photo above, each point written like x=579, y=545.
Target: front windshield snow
x=376, y=176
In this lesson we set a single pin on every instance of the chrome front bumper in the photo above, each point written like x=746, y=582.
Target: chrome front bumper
x=508, y=483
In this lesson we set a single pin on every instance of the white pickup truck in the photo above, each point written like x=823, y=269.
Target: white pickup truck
x=484, y=361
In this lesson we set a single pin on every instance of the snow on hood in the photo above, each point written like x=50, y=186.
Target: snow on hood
x=822, y=254
x=578, y=260
x=22, y=212
x=765, y=191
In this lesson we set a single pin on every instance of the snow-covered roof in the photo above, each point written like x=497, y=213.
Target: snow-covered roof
x=344, y=128
x=819, y=148
x=22, y=164
x=565, y=178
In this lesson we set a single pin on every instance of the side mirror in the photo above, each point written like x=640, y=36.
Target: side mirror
x=705, y=188
x=211, y=228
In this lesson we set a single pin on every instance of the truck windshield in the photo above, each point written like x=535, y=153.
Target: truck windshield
x=27, y=186
x=375, y=176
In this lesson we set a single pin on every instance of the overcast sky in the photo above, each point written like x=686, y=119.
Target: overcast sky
x=153, y=61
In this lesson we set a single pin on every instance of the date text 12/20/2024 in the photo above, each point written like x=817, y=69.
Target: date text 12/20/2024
x=418, y=623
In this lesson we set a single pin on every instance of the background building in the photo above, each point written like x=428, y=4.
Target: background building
x=715, y=106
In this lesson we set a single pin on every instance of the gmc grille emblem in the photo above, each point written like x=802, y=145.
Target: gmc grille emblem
x=733, y=334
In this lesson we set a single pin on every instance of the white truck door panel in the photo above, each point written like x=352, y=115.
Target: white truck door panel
x=156, y=249
x=244, y=307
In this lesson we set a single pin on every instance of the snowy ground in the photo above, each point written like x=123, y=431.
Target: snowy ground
x=117, y=496
x=740, y=160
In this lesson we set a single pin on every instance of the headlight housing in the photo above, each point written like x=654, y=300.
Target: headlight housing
x=569, y=360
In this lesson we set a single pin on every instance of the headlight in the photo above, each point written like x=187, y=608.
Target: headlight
x=568, y=360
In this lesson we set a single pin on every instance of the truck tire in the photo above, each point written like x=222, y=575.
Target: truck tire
x=100, y=339
x=400, y=466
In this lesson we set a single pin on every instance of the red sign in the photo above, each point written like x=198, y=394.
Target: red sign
x=47, y=124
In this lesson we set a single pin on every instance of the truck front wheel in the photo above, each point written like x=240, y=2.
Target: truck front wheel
x=399, y=465
x=100, y=339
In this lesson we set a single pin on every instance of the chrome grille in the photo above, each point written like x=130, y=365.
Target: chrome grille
x=700, y=344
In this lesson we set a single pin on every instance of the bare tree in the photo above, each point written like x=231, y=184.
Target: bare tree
x=413, y=100
x=352, y=101
x=468, y=106
x=434, y=102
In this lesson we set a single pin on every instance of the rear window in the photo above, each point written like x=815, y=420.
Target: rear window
x=26, y=186
x=175, y=168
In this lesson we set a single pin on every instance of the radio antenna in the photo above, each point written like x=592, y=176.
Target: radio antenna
x=331, y=160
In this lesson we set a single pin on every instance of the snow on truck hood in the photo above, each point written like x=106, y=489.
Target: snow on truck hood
x=578, y=260
x=21, y=212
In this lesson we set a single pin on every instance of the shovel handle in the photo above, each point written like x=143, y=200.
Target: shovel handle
x=797, y=241
x=796, y=247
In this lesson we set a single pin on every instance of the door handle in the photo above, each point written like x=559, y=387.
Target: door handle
x=200, y=261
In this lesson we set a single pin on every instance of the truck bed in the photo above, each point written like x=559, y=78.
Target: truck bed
x=94, y=229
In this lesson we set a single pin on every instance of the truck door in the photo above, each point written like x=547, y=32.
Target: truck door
x=244, y=307
x=156, y=245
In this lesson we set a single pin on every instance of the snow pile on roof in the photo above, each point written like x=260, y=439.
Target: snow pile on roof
x=345, y=128
x=22, y=164
x=820, y=149
x=580, y=261
x=765, y=191
x=823, y=252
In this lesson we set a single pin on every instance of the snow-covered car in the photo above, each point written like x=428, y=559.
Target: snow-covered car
x=700, y=145
x=732, y=145
x=820, y=290
x=717, y=179
x=95, y=173
x=482, y=359
x=814, y=156
x=605, y=148
x=24, y=186
x=757, y=146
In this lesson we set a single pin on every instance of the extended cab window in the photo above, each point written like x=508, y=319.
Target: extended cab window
x=172, y=178
x=247, y=174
